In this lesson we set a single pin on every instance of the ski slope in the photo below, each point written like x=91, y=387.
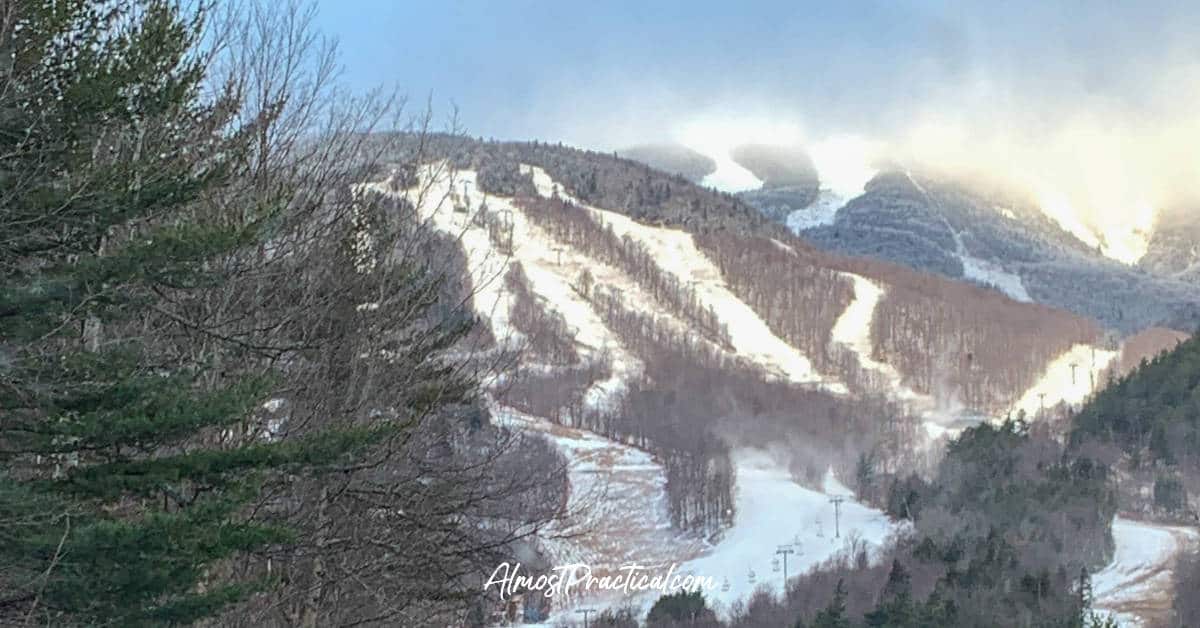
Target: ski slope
x=549, y=268
x=774, y=511
x=617, y=512
x=1136, y=587
x=434, y=198
x=1060, y=383
x=853, y=330
x=677, y=254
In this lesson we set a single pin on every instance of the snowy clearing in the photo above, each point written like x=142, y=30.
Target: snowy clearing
x=1069, y=379
x=853, y=330
x=1137, y=588
x=677, y=254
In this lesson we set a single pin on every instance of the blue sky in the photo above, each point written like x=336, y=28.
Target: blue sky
x=595, y=72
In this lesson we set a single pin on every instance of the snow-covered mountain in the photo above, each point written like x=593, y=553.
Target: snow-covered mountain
x=699, y=362
x=989, y=237
x=1174, y=247
x=975, y=232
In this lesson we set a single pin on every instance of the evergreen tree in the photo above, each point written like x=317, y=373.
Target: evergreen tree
x=834, y=615
x=683, y=606
x=896, y=607
x=119, y=496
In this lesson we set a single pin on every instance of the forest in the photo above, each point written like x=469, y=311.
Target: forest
x=233, y=389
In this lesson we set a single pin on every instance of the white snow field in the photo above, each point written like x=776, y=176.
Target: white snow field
x=1063, y=383
x=620, y=493
x=677, y=254
x=773, y=512
x=1136, y=587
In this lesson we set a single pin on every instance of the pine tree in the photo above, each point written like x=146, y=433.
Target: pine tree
x=834, y=615
x=118, y=494
x=896, y=607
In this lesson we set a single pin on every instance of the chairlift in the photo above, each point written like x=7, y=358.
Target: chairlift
x=775, y=565
x=751, y=576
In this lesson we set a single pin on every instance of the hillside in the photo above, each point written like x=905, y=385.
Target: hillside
x=971, y=232
x=639, y=316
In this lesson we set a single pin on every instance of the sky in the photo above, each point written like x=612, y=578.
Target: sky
x=1088, y=106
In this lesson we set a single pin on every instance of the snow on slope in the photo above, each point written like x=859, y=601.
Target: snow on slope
x=677, y=254
x=434, y=199
x=730, y=176
x=821, y=212
x=549, y=268
x=853, y=329
x=1136, y=587
x=1060, y=383
x=617, y=512
x=774, y=511
x=991, y=274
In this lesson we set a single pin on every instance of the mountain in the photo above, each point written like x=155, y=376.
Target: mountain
x=702, y=364
x=973, y=231
x=1174, y=248
x=968, y=231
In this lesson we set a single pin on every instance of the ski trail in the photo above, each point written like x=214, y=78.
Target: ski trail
x=773, y=511
x=853, y=330
x=1063, y=383
x=617, y=512
x=1137, y=586
x=549, y=269
x=676, y=253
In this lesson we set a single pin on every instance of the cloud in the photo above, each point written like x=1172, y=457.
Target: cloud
x=1089, y=109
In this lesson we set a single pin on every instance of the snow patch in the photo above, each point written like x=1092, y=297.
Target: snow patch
x=436, y=199
x=730, y=176
x=783, y=247
x=853, y=330
x=992, y=274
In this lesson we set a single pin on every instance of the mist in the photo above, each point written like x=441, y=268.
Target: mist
x=1088, y=112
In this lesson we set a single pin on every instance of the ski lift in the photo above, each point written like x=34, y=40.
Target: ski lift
x=750, y=577
x=775, y=565
x=725, y=585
